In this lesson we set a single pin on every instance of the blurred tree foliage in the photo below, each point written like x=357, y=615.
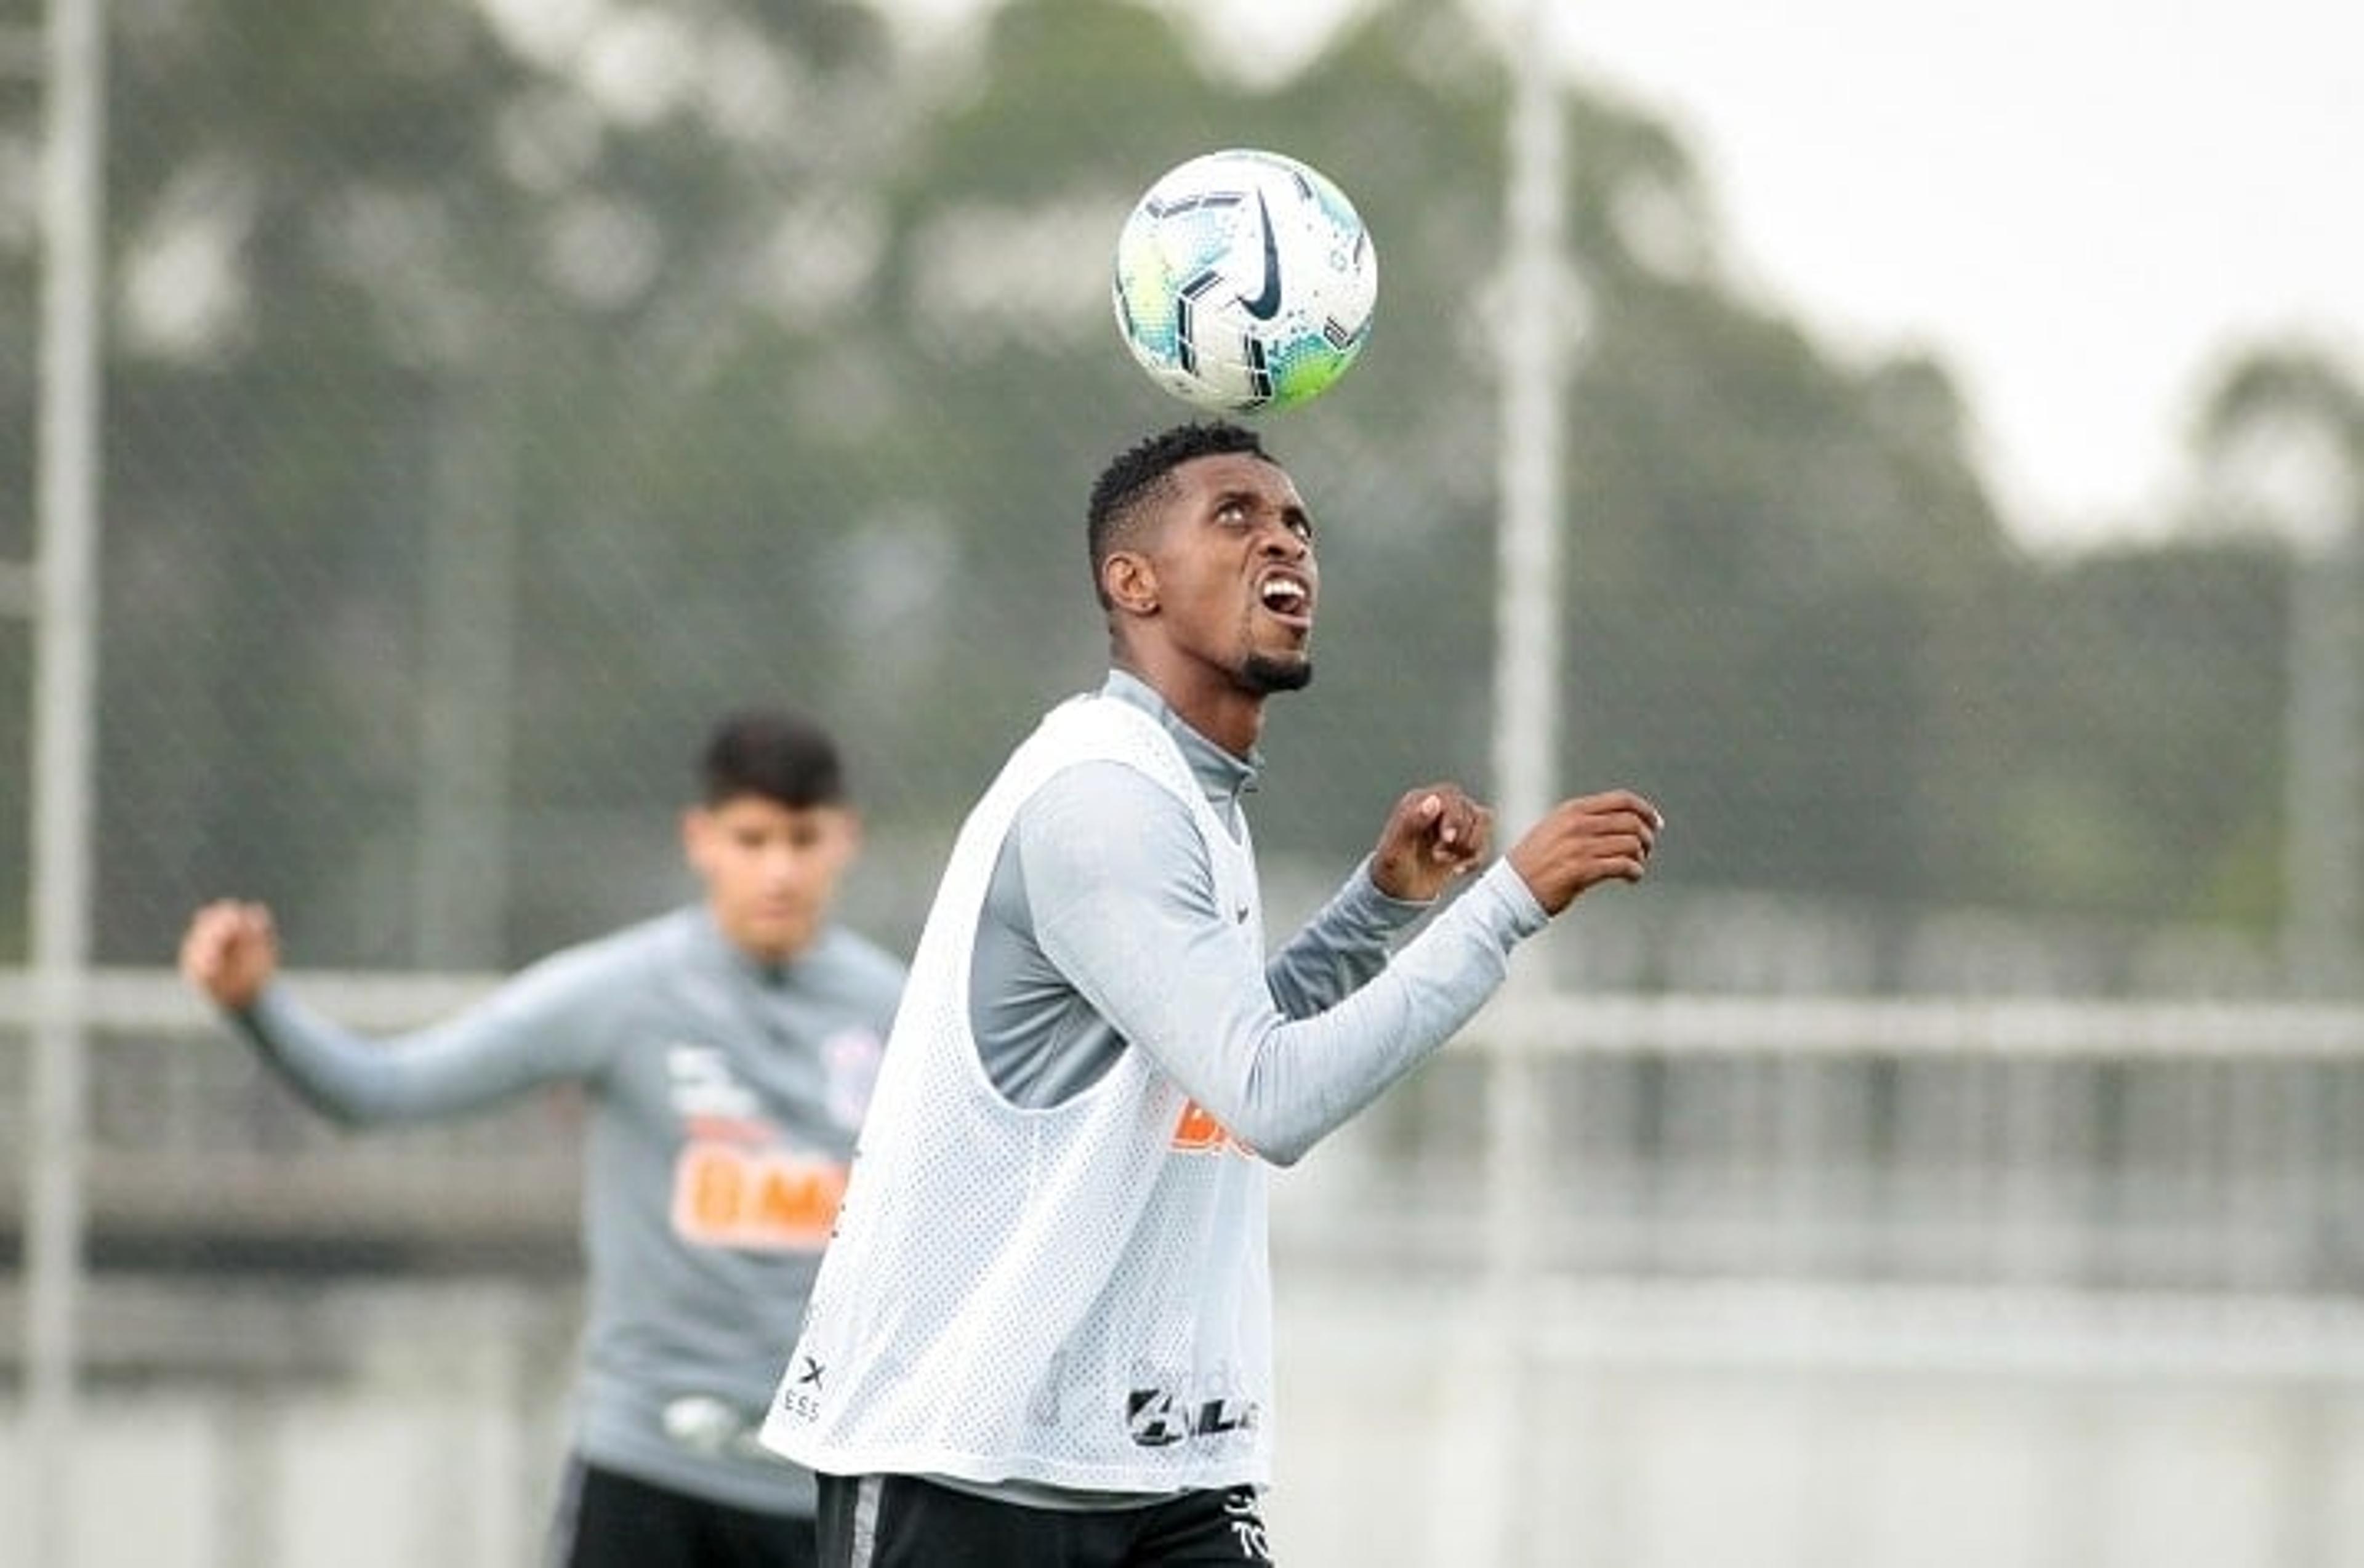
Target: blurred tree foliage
x=776, y=353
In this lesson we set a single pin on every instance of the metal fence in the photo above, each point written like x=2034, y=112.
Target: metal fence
x=2206, y=1148
x=1840, y=1264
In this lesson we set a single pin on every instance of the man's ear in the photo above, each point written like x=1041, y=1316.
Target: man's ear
x=1130, y=581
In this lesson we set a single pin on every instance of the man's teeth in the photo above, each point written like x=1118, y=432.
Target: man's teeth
x=1282, y=595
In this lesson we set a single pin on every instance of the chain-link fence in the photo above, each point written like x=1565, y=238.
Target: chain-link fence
x=493, y=392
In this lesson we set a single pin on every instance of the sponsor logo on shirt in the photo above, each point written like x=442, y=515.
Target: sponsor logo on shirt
x=1197, y=1132
x=1159, y=1417
x=737, y=1182
x=760, y=1199
x=800, y=1390
x=706, y=1094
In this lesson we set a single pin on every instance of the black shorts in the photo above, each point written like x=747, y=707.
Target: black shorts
x=901, y=1521
x=610, y=1520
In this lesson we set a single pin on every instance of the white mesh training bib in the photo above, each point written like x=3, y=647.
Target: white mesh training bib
x=1077, y=1295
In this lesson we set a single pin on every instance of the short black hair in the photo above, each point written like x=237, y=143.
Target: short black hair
x=1141, y=472
x=771, y=752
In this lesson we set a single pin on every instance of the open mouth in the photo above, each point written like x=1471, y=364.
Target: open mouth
x=1287, y=598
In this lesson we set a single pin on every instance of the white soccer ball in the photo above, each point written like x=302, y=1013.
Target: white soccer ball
x=1244, y=280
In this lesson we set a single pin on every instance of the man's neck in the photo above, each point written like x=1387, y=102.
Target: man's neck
x=1226, y=715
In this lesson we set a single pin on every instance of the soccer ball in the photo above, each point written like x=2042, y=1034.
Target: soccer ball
x=1244, y=280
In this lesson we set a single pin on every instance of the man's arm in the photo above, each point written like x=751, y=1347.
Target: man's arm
x=1434, y=834
x=1341, y=948
x=525, y=1033
x=1123, y=902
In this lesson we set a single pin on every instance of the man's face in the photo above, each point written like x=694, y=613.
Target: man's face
x=770, y=871
x=1235, y=575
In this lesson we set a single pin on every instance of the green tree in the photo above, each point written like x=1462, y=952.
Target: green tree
x=730, y=349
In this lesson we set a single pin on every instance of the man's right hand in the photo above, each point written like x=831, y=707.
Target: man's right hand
x=230, y=951
x=1585, y=841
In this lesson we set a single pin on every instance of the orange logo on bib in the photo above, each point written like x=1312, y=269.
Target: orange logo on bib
x=1200, y=1133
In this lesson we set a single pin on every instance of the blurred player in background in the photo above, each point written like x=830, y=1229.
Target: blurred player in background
x=728, y=1050
x=1043, y=1333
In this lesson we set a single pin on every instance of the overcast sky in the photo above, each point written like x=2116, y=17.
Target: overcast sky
x=2078, y=204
